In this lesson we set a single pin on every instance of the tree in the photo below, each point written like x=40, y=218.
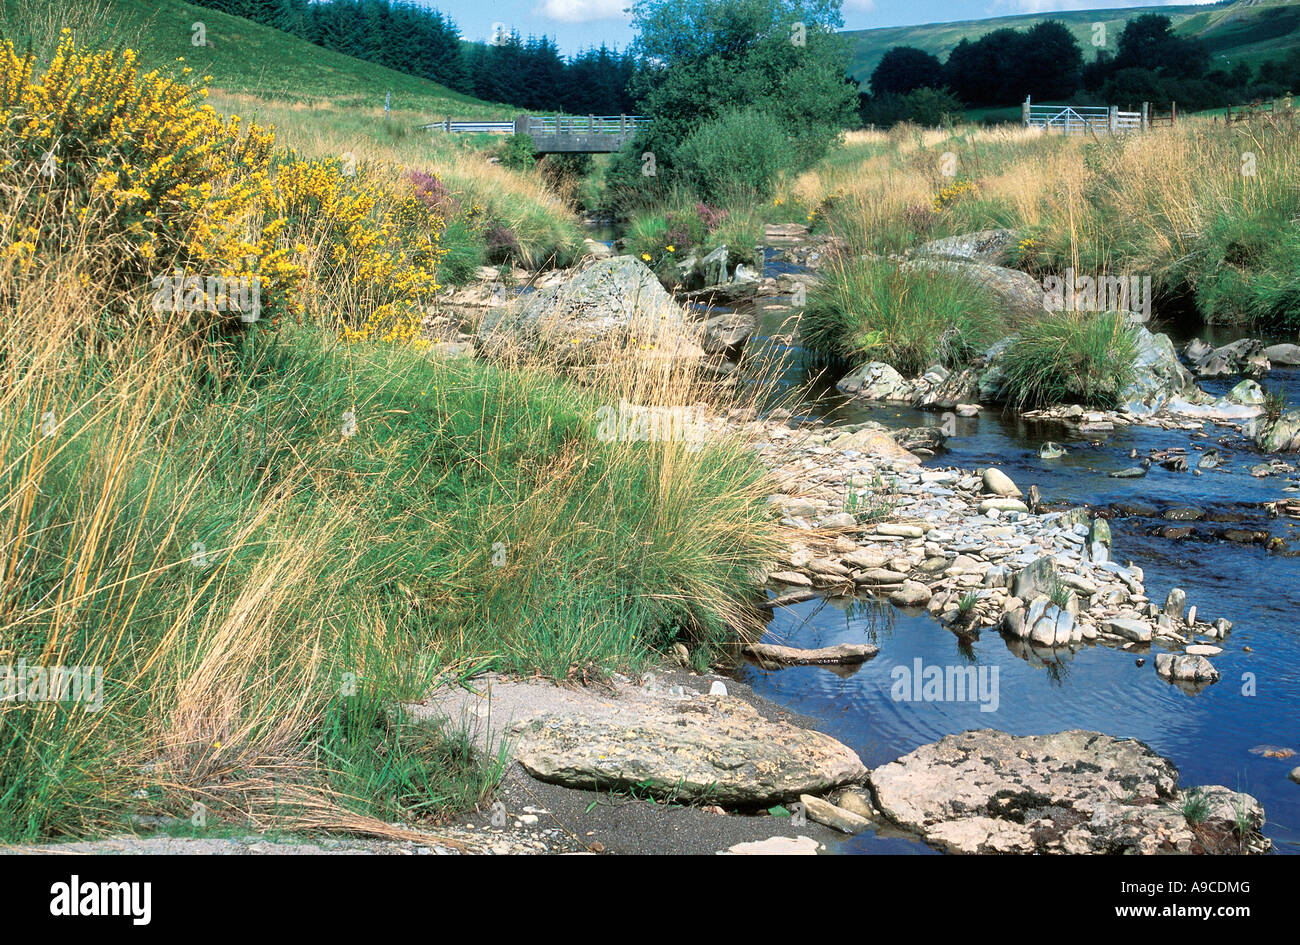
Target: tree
x=711, y=57
x=1051, y=62
x=1148, y=42
x=904, y=68
x=929, y=107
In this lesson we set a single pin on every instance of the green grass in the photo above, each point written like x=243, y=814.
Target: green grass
x=244, y=56
x=1194, y=806
x=346, y=557
x=1247, y=269
x=1071, y=357
x=869, y=310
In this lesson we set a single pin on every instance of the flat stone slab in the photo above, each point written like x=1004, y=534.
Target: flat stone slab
x=1069, y=792
x=711, y=748
x=841, y=654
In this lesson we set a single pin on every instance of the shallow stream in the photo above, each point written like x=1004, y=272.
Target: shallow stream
x=1209, y=735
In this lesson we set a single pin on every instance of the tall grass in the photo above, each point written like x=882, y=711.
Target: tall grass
x=1207, y=211
x=1071, y=357
x=875, y=310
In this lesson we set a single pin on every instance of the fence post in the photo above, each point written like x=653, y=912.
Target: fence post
x=1146, y=116
x=521, y=124
x=1173, y=114
x=1024, y=112
x=447, y=124
x=1114, y=119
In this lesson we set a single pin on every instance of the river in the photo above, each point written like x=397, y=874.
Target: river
x=1208, y=735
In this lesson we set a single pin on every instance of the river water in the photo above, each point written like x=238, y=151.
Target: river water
x=1208, y=735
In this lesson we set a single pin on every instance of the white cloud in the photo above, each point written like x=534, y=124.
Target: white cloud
x=583, y=11
x=860, y=6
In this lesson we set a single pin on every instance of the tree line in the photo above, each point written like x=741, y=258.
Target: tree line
x=530, y=73
x=1150, y=63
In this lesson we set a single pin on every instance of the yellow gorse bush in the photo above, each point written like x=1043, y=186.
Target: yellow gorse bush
x=139, y=174
x=145, y=185
x=388, y=247
x=953, y=192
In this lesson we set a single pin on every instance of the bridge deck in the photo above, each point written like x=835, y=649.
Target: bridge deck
x=559, y=134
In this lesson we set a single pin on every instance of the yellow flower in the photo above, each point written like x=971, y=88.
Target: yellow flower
x=672, y=248
x=645, y=256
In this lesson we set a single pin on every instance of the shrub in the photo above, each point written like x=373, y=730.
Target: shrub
x=1248, y=271
x=502, y=244
x=364, y=242
x=741, y=233
x=140, y=176
x=516, y=153
x=736, y=158
x=565, y=173
x=873, y=310
x=1071, y=357
x=926, y=106
x=647, y=235
x=463, y=251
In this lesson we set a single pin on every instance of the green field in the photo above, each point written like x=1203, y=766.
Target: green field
x=244, y=56
x=1250, y=32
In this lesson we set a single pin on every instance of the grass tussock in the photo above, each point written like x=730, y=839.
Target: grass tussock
x=875, y=310
x=1070, y=357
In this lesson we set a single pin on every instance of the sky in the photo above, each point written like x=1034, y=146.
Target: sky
x=576, y=24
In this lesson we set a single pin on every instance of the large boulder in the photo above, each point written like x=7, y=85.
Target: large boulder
x=1069, y=792
x=1158, y=376
x=1285, y=355
x=941, y=389
x=727, y=331
x=877, y=441
x=714, y=748
x=610, y=310
x=1279, y=436
x=982, y=246
x=878, y=381
x=1244, y=356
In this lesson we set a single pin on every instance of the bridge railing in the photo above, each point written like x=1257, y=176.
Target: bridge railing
x=585, y=124
x=472, y=127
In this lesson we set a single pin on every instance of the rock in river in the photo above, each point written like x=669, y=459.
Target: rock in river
x=610, y=311
x=1186, y=667
x=996, y=482
x=877, y=381
x=712, y=747
x=1069, y=792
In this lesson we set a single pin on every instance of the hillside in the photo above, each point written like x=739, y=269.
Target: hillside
x=245, y=57
x=1251, y=32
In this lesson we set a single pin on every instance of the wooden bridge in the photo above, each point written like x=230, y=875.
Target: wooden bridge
x=558, y=134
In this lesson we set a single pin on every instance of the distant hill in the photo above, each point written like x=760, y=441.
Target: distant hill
x=1247, y=30
x=248, y=57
